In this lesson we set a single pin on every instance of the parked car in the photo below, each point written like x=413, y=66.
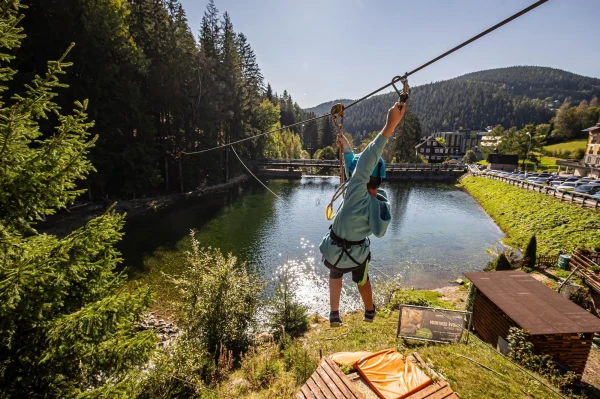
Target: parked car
x=587, y=179
x=555, y=183
x=513, y=175
x=595, y=183
x=541, y=180
x=587, y=189
x=567, y=186
x=574, y=178
x=561, y=178
x=545, y=175
x=521, y=177
x=596, y=196
x=531, y=178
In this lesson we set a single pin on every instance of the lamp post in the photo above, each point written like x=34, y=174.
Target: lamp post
x=527, y=156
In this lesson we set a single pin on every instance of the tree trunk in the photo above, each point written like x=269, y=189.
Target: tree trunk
x=180, y=175
x=167, y=173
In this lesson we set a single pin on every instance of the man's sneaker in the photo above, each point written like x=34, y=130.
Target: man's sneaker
x=334, y=319
x=370, y=315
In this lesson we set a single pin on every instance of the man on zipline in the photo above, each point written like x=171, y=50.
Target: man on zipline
x=365, y=210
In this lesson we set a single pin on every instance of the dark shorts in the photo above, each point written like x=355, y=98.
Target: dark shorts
x=337, y=273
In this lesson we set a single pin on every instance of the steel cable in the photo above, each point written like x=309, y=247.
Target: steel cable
x=394, y=80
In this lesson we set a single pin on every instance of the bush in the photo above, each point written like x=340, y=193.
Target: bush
x=297, y=360
x=578, y=154
x=531, y=251
x=521, y=350
x=261, y=369
x=284, y=311
x=220, y=298
x=469, y=157
x=502, y=263
x=183, y=361
x=326, y=153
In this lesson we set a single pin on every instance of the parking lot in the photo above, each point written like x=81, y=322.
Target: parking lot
x=584, y=191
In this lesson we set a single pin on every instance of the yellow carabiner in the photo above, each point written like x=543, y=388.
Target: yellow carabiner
x=329, y=212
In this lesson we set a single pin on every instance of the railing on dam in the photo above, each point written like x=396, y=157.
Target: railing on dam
x=394, y=167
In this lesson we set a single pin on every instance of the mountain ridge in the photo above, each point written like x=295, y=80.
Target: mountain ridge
x=509, y=96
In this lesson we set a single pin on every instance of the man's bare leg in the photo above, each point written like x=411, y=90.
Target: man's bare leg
x=335, y=292
x=366, y=293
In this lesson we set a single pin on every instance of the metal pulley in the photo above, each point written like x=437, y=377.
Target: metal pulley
x=338, y=110
x=404, y=94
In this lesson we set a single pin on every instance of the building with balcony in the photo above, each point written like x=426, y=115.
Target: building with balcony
x=432, y=150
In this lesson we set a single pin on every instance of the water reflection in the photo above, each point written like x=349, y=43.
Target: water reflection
x=437, y=232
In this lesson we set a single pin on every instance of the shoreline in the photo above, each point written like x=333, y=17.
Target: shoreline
x=73, y=217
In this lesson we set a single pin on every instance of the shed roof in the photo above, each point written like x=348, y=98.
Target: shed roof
x=532, y=305
x=503, y=159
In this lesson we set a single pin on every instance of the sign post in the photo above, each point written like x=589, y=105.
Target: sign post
x=432, y=324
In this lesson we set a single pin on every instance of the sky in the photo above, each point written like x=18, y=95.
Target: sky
x=322, y=50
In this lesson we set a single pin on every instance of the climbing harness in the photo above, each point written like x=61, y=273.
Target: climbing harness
x=337, y=111
x=337, y=194
x=345, y=245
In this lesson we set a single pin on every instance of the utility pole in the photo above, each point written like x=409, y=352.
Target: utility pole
x=527, y=156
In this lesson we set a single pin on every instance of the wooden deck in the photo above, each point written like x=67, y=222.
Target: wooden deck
x=329, y=382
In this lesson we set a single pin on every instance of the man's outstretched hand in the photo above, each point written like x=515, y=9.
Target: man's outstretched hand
x=394, y=116
x=342, y=141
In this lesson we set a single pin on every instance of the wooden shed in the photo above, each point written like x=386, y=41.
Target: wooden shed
x=556, y=326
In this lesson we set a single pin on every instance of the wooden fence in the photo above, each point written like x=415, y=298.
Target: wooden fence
x=583, y=200
x=544, y=261
x=582, y=262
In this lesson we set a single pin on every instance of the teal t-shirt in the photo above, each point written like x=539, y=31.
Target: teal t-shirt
x=360, y=214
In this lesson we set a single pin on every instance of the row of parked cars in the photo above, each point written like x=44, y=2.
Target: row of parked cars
x=582, y=185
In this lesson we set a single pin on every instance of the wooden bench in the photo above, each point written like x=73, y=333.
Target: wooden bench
x=329, y=382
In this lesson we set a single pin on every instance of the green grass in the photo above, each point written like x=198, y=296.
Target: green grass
x=569, y=145
x=521, y=213
x=465, y=377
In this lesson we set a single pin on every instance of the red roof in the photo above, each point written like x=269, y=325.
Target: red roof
x=532, y=305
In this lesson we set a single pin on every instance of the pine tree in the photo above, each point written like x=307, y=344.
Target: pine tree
x=328, y=133
x=67, y=321
x=269, y=93
x=531, y=251
x=406, y=137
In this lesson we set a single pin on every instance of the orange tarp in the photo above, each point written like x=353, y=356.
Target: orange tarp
x=387, y=372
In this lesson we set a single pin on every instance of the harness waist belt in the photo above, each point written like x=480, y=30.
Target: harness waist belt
x=341, y=242
x=345, y=245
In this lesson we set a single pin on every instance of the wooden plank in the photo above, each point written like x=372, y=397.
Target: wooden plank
x=316, y=391
x=345, y=380
x=337, y=393
x=431, y=389
x=322, y=385
x=441, y=394
x=306, y=392
x=300, y=395
x=337, y=381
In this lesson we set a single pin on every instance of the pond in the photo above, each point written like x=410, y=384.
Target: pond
x=437, y=232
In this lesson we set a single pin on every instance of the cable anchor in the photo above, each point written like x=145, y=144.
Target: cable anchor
x=404, y=94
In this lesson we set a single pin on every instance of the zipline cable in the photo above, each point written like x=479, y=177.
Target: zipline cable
x=394, y=80
x=249, y=171
x=463, y=44
x=257, y=135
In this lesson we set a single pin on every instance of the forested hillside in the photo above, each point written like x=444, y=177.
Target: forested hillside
x=512, y=96
x=157, y=88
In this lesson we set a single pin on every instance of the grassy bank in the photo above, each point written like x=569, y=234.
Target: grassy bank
x=465, y=377
x=521, y=213
x=567, y=146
